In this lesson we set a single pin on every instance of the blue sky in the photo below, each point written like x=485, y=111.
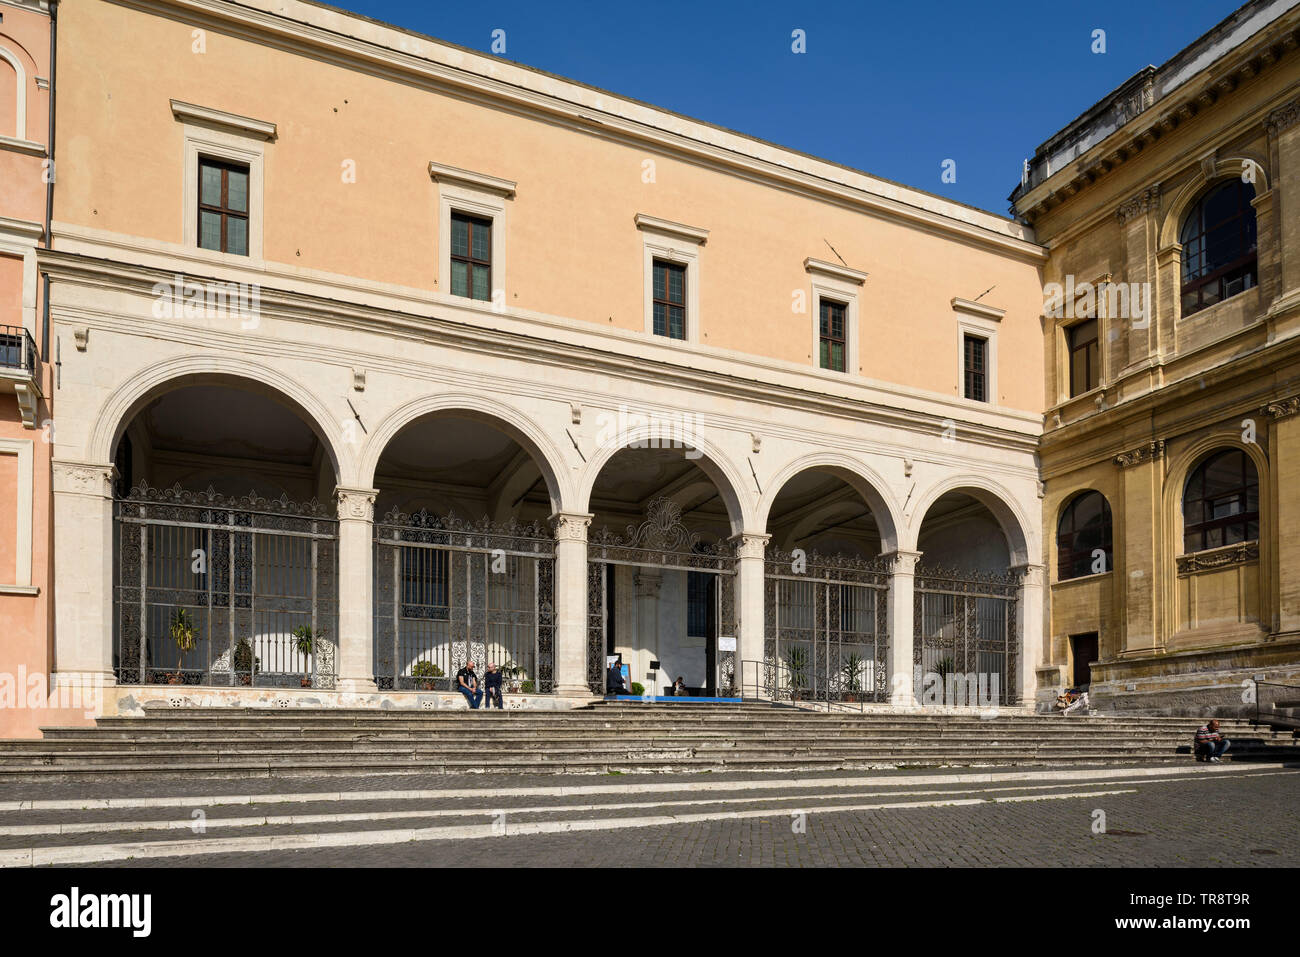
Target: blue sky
x=890, y=88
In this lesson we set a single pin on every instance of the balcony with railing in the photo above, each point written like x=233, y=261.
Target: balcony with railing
x=20, y=370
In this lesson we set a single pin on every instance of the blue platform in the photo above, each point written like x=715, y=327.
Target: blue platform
x=675, y=699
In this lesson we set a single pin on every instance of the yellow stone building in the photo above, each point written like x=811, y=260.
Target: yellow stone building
x=1171, y=446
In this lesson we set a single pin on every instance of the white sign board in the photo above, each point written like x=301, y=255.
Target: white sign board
x=726, y=642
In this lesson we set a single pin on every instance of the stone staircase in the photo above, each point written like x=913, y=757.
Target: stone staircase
x=605, y=737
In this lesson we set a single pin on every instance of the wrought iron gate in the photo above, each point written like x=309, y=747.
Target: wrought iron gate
x=965, y=635
x=448, y=591
x=244, y=577
x=826, y=631
x=661, y=541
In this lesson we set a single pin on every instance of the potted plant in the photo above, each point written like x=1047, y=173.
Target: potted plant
x=424, y=672
x=184, y=633
x=246, y=664
x=638, y=688
x=851, y=673
x=526, y=687
x=304, y=639
x=796, y=661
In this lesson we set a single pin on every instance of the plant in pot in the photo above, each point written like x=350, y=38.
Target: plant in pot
x=304, y=640
x=246, y=664
x=526, y=687
x=852, y=674
x=796, y=661
x=638, y=688
x=184, y=633
x=424, y=674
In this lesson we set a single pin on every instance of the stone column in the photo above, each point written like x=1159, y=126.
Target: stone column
x=1137, y=565
x=645, y=643
x=356, y=669
x=1284, y=446
x=83, y=577
x=751, y=612
x=1283, y=127
x=571, y=603
x=902, y=596
x=1029, y=625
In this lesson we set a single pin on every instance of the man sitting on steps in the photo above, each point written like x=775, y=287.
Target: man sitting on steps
x=1210, y=745
x=467, y=684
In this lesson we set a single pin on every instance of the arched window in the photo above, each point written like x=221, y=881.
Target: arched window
x=1218, y=238
x=1084, y=529
x=1221, y=502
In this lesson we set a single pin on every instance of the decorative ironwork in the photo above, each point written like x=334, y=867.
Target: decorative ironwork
x=964, y=632
x=249, y=575
x=661, y=541
x=448, y=590
x=826, y=632
x=1239, y=554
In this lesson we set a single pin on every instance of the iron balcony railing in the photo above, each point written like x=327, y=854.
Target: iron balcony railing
x=18, y=349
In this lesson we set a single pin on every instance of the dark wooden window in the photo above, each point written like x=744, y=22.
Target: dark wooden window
x=832, y=334
x=1084, y=527
x=471, y=257
x=1221, y=502
x=699, y=604
x=1219, y=246
x=976, y=365
x=669, y=299
x=1085, y=358
x=223, y=206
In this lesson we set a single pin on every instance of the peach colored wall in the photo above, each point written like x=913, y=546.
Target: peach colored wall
x=573, y=249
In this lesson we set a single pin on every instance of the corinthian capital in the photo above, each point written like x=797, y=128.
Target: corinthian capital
x=357, y=503
x=750, y=545
x=570, y=526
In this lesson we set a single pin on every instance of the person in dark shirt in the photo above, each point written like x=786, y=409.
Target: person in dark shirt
x=679, y=686
x=467, y=684
x=616, y=679
x=492, y=685
x=1210, y=745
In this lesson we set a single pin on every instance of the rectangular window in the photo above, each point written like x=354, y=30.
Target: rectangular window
x=699, y=604
x=223, y=206
x=1085, y=361
x=831, y=334
x=471, y=257
x=975, y=365
x=669, y=300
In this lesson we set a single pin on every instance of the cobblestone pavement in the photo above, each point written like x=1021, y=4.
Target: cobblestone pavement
x=1245, y=818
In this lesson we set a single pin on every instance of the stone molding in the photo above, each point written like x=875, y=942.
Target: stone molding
x=902, y=562
x=750, y=545
x=1147, y=201
x=79, y=478
x=1149, y=452
x=1224, y=557
x=571, y=526
x=1282, y=408
x=357, y=504
x=1283, y=118
x=228, y=122
x=653, y=224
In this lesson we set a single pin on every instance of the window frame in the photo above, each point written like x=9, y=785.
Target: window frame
x=1245, y=265
x=966, y=339
x=681, y=245
x=222, y=209
x=471, y=220
x=670, y=267
x=1243, y=518
x=1069, y=560
x=473, y=194
x=823, y=338
x=1071, y=349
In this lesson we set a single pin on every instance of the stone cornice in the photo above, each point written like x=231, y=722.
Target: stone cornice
x=1143, y=453
x=973, y=308
x=1147, y=201
x=230, y=122
x=463, y=325
x=480, y=181
x=21, y=229
x=652, y=224
x=822, y=268
x=411, y=57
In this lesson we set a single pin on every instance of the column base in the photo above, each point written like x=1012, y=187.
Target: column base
x=357, y=686
x=573, y=691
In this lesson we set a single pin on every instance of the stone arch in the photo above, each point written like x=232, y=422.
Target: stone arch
x=1226, y=168
x=1022, y=542
x=476, y=408
x=859, y=476
x=713, y=462
x=148, y=384
x=1180, y=468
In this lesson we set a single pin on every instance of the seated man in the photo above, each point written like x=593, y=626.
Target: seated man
x=1210, y=745
x=467, y=684
x=679, y=687
x=616, y=679
x=492, y=685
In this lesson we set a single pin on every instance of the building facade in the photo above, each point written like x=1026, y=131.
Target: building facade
x=379, y=354
x=1171, y=440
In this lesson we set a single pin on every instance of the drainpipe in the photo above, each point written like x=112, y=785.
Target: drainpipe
x=49, y=187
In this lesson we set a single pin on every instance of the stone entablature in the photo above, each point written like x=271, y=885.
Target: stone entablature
x=1217, y=558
